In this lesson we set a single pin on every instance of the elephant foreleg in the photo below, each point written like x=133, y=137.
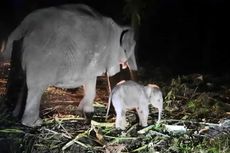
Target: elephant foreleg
x=86, y=104
x=143, y=112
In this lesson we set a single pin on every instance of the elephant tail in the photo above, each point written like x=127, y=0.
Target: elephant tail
x=17, y=34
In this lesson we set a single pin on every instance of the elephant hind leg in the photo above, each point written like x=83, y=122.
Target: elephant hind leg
x=31, y=113
x=86, y=104
x=20, y=106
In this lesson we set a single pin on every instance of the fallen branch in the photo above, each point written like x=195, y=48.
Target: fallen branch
x=94, y=123
x=130, y=129
x=12, y=131
x=75, y=140
x=67, y=133
x=54, y=132
x=146, y=129
x=121, y=138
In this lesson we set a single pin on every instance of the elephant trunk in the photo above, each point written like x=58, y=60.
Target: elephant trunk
x=132, y=65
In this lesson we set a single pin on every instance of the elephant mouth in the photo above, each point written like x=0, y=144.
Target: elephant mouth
x=124, y=65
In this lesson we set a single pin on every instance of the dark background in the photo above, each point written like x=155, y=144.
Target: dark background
x=182, y=36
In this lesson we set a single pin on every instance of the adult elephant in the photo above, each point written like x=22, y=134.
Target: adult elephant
x=68, y=46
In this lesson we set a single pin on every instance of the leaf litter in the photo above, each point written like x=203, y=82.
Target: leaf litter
x=196, y=118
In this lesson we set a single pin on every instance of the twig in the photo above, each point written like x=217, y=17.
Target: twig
x=130, y=129
x=54, y=132
x=144, y=130
x=121, y=138
x=193, y=94
x=118, y=139
x=94, y=123
x=160, y=134
x=67, y=133
x=209, y=124
x=75, y=140
x=140, y=148
x=82, y=144
x=72, y=118
x=12, y=131
x=97, y=104
x=62, y=101
x=187, y=121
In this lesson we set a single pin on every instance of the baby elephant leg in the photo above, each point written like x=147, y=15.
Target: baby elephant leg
x=120, y=109
x=120, y=119
x=143, y=112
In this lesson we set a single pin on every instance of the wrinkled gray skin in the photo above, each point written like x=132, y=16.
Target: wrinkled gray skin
x=69, y=46
x=131, y=95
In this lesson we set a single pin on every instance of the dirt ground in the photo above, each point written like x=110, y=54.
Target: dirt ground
x=198, y=105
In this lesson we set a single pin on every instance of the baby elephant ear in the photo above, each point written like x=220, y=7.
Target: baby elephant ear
x=148, y=91
x=153, y=86
x=149, y=88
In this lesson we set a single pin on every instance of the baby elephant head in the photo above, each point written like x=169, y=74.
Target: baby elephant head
x=155, y=97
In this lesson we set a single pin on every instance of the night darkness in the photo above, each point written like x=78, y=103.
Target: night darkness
x=184, y=36
x=182, y=54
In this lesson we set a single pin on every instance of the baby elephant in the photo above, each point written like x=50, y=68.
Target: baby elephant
x=131, y=95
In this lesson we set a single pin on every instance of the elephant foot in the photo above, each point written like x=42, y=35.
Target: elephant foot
x=120, y=127
x=121, y=124
x=88, y=117
x=30, y=123
x=86, y=108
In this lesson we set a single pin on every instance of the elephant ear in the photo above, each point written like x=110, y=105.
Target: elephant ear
x=128, y=43
x=116, y=54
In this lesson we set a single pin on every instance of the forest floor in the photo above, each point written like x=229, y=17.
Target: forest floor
x=196, y=118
